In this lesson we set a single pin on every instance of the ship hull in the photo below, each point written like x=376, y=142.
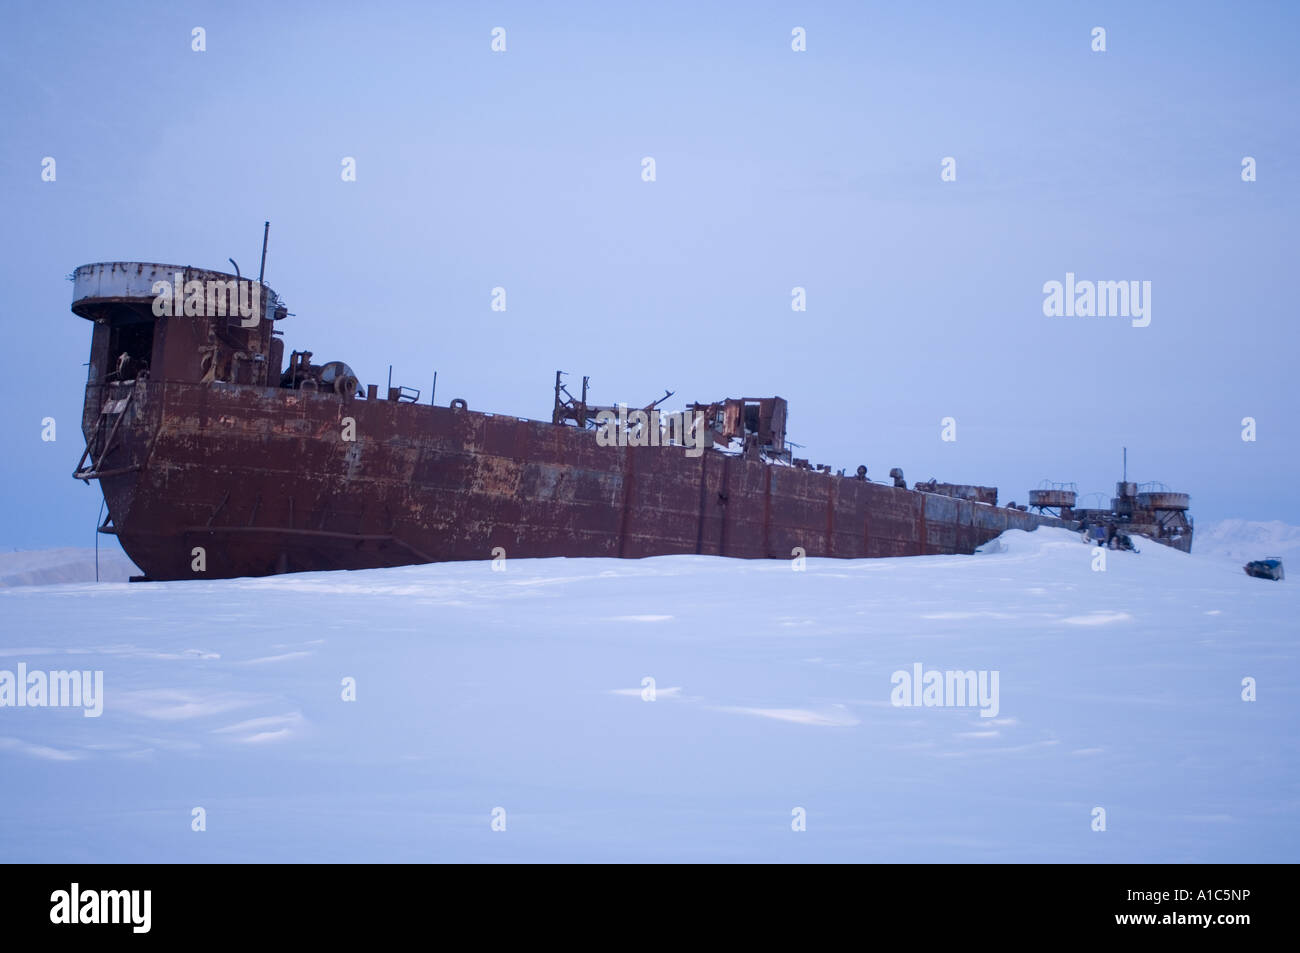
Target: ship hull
x=221, y=480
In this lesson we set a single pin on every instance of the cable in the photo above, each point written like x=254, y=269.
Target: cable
x=97, y=525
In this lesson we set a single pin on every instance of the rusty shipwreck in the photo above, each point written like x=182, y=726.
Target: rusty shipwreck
x=217, y=458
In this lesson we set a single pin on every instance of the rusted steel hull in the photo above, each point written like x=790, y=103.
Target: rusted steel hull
x=263, y=481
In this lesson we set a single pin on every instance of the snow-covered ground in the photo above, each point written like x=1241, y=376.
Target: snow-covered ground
x=522, y=690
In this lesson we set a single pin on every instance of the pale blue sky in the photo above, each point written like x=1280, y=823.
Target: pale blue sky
x=775, y=169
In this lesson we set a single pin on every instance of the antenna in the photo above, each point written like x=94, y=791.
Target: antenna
x=266, y=232
x=1126, y=464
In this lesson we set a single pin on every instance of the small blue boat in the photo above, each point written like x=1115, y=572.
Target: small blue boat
x=1270, y=568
